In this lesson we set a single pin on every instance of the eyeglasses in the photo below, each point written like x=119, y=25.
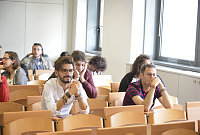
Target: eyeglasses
x=67, y=70
x=4, y=58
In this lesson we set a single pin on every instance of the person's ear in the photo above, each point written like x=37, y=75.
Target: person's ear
x=56, y=72
x=141, y=75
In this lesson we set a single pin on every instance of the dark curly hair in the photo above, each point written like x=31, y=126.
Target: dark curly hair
x=138, y=64
x=99, y=63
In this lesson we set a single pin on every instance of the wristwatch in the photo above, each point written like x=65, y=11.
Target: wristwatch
x=68, y=95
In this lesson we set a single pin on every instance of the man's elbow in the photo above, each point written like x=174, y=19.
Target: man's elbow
x=146, y=109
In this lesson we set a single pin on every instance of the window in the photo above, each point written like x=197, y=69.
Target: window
x=178, y=32
x=94, y=26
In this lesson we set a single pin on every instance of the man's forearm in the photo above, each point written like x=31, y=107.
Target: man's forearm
x=148, y=101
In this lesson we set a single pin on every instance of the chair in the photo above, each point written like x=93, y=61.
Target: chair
x=166, y=115
x=114, y=86
x=72, y=132
x=43, y=74
x=125, y=118
x=10, y=107
x=102, y=80
x=28, y=124
x=130, y=130
x=30, y=75
x=103, y=93
x=175, y=106
x=109, y=111
x=114, y=97
x=199, y=126
x=18, y=93
x=37, y=82
x=192, y=112
x=158, y=129
x=7, y=117
x=97, y=106
x=173, y=98
x=79, y=121
x=34, y=103
x=180, y=131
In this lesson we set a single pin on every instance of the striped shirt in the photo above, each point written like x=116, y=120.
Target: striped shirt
x=136, y=89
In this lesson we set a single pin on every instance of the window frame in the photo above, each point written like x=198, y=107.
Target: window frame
x=173, y=62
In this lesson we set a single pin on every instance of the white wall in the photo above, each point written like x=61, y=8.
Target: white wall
x=27, y=21
x=117, y=27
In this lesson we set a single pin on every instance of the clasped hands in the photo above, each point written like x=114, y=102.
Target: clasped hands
x=74, y=88
x=156, y=82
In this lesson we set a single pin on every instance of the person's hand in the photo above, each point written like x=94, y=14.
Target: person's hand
x=155, y=81
x=1, y=67
x=74, y=87
x=82, y=73
x=30, y=54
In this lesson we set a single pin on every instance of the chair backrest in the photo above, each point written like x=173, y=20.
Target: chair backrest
x=28, y=124
x=192, y=112
x=33, y=99
x=103, y=91
x=173, y=99
x=114, y=86
x=109, y=111
x=30, y=75
x=125, y=119
x=95, y=103
x=37, y=82
x=72, y=132
x=158, y=129
x=113, y=97
x=130, y=130
x=7, y=117
x=180, y=131
x=175, y=106
x=166, y=115
x=97, y=106
x=18, y=93
x=35, y=106
x=10, y=107
x=39, y=76
x=102, y=80
x=79, y=121
x=199, y=126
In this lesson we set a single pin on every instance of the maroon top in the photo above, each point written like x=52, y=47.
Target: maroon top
x=88, y=85
x=1, y=61
x=4, y=92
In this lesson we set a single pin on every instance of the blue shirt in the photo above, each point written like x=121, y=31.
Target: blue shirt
x=37, y=64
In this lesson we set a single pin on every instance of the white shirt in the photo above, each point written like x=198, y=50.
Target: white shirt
x=53, y=92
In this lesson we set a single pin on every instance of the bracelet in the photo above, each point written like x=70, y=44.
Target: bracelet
x=64, y=99
x=164, y=89
x=76, y=97
x=68, y=95
x=152, y=87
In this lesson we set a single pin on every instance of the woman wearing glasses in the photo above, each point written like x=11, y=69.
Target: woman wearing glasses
x=13, y=72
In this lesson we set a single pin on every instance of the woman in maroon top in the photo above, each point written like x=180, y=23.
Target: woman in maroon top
x=84, y=75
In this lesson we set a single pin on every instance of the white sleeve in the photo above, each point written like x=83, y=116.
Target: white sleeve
x=48, y=101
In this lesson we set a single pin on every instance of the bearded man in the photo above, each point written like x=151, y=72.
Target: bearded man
x=60, y=93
